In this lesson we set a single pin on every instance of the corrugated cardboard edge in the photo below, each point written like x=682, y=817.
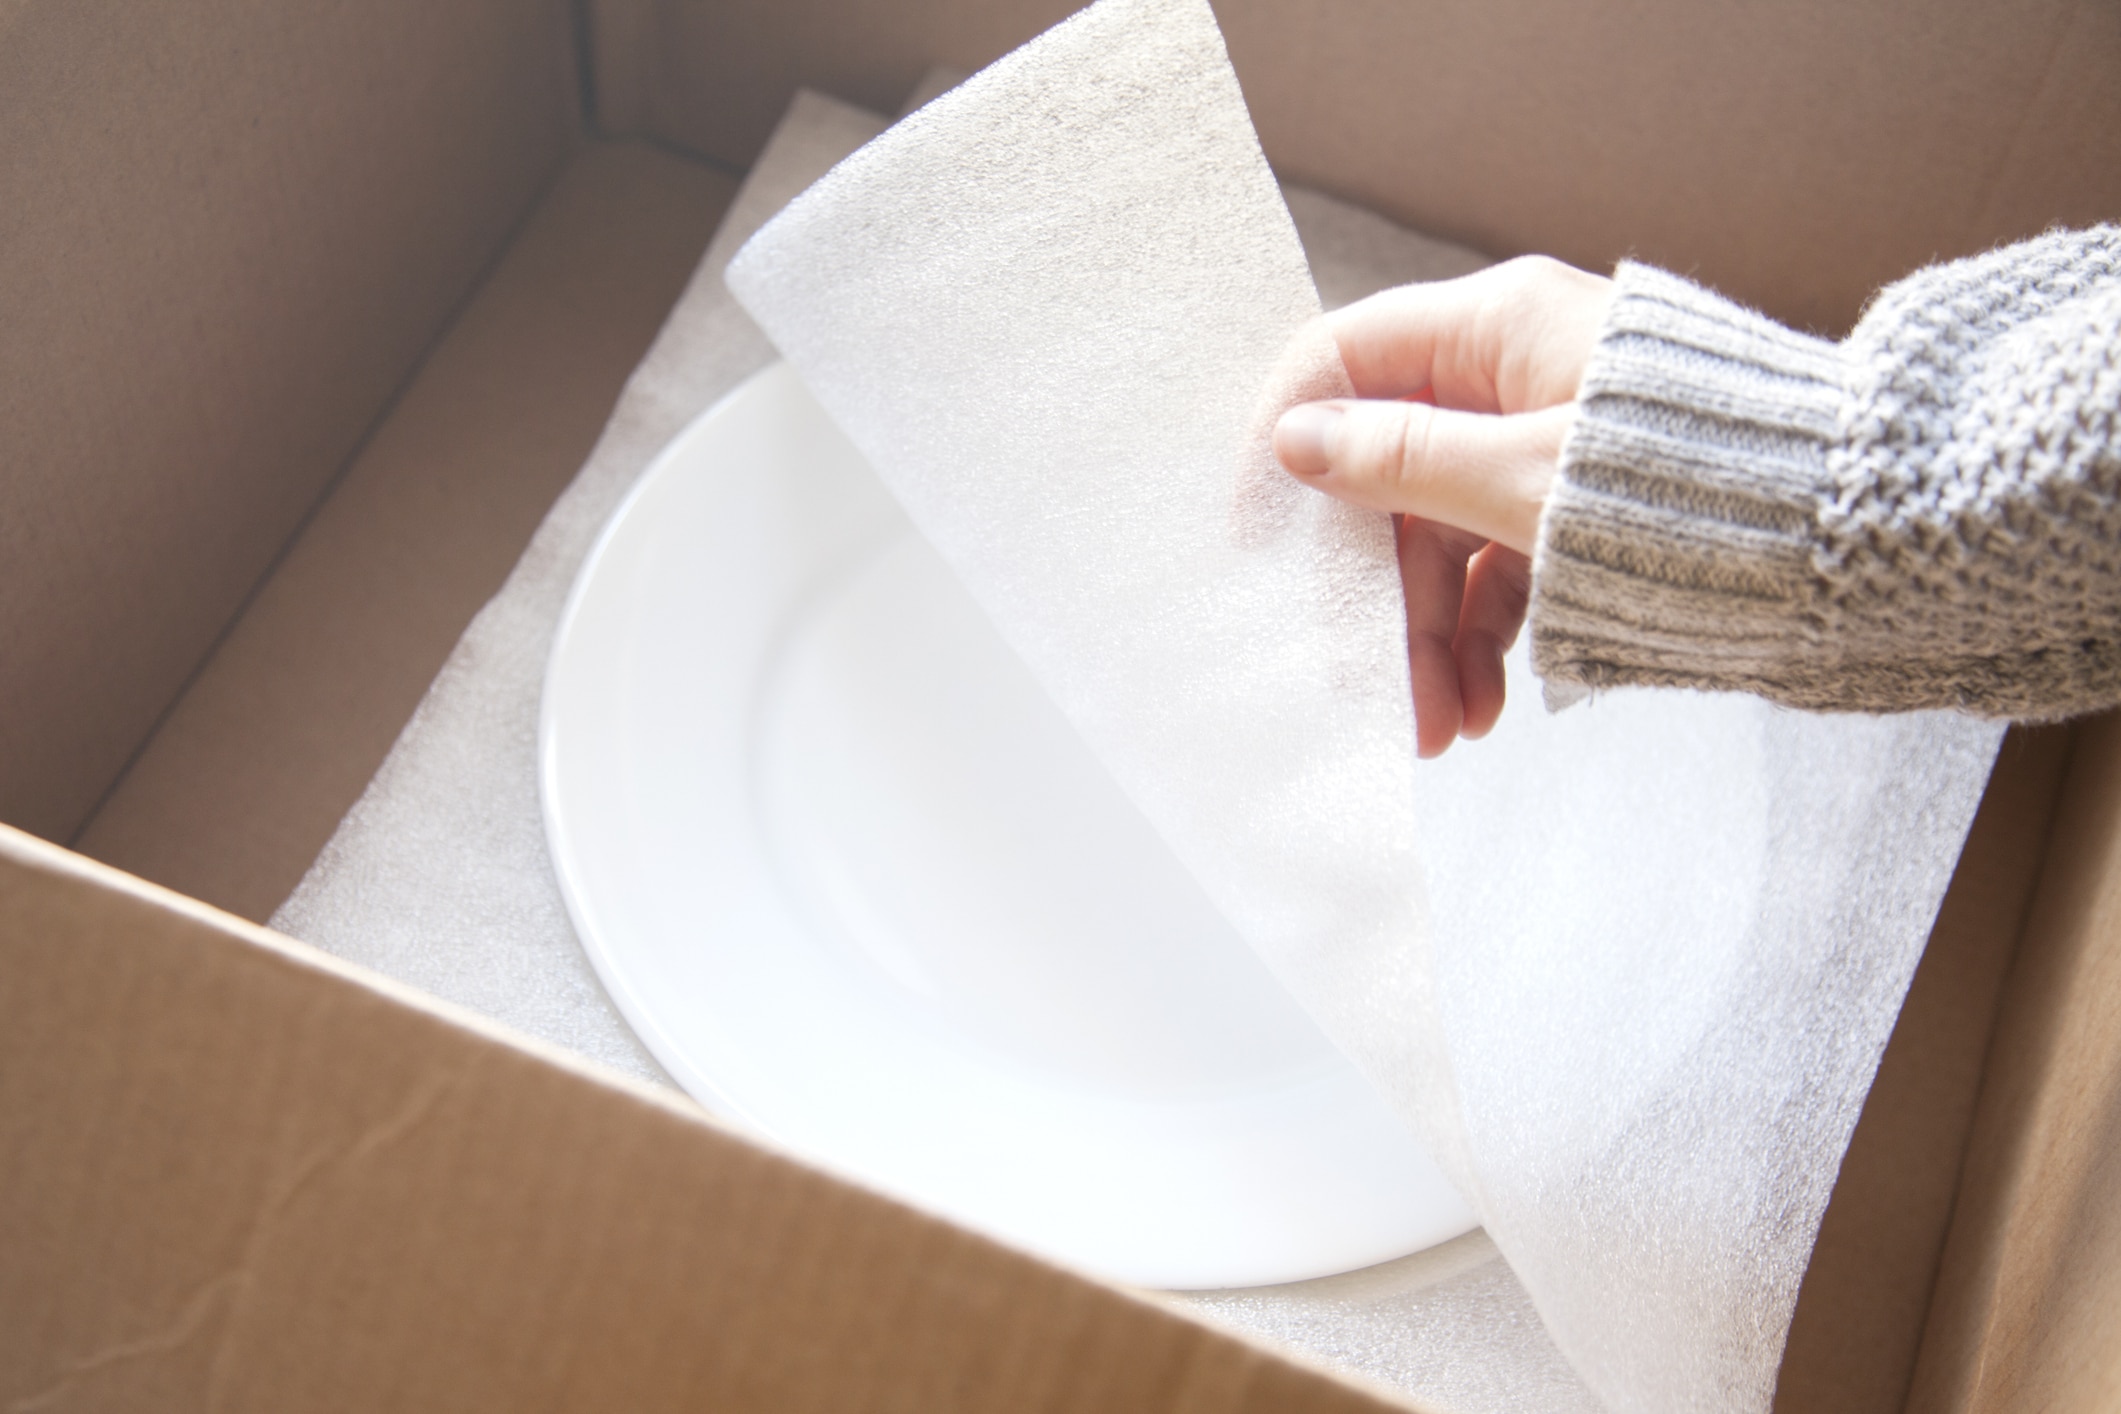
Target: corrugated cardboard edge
x=236, y=1173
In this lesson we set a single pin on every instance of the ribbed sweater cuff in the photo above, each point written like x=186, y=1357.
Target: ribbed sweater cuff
x=1677, y=545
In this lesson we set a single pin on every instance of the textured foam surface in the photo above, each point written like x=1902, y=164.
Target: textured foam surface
x=1044, y=308
x=1666, y=935
x=1671, y=934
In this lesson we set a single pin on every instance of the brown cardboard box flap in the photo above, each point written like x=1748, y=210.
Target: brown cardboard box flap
x=236, y=1174
x=2027, y=1312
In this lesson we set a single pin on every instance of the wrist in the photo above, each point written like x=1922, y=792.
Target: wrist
x=1676, y=546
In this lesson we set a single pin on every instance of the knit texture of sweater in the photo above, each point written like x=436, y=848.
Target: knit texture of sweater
x=1927, y=514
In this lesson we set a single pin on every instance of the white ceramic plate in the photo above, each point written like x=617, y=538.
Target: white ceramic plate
x=856, y=881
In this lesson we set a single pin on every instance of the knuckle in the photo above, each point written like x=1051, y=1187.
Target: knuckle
x=1526, y=276
x=1413, y=437
x=1533, y=281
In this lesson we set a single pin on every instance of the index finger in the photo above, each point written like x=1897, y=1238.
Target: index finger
x=1400, y=342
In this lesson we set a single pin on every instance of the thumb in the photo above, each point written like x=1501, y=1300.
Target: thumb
x=1475, y=471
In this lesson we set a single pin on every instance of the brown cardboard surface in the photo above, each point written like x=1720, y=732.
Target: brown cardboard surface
x=227, y=230
x=278, y=734
x=236, y=1175
x=1794, y=155
x=1866, y=1294
x=2027, y=1312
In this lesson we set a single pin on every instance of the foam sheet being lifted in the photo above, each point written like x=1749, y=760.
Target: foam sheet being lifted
x=1628, y=969
x=1045, y=311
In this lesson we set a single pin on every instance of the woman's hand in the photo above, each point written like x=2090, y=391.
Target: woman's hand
x=1465, y=389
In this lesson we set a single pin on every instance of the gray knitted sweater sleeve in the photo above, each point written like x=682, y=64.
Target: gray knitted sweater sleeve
x=1927, y=514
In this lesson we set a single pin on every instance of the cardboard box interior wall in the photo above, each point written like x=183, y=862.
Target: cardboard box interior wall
x=307, y=316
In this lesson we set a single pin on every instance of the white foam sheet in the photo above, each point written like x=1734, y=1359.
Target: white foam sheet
x=1665, y=935
x=1671, y=935
x=1044, y=309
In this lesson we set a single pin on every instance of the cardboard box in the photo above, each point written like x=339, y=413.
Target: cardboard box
x=309, y=313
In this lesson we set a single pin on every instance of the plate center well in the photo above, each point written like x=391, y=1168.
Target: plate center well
x=930, y=810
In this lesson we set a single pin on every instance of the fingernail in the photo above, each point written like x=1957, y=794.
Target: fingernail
x=1300, y=437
